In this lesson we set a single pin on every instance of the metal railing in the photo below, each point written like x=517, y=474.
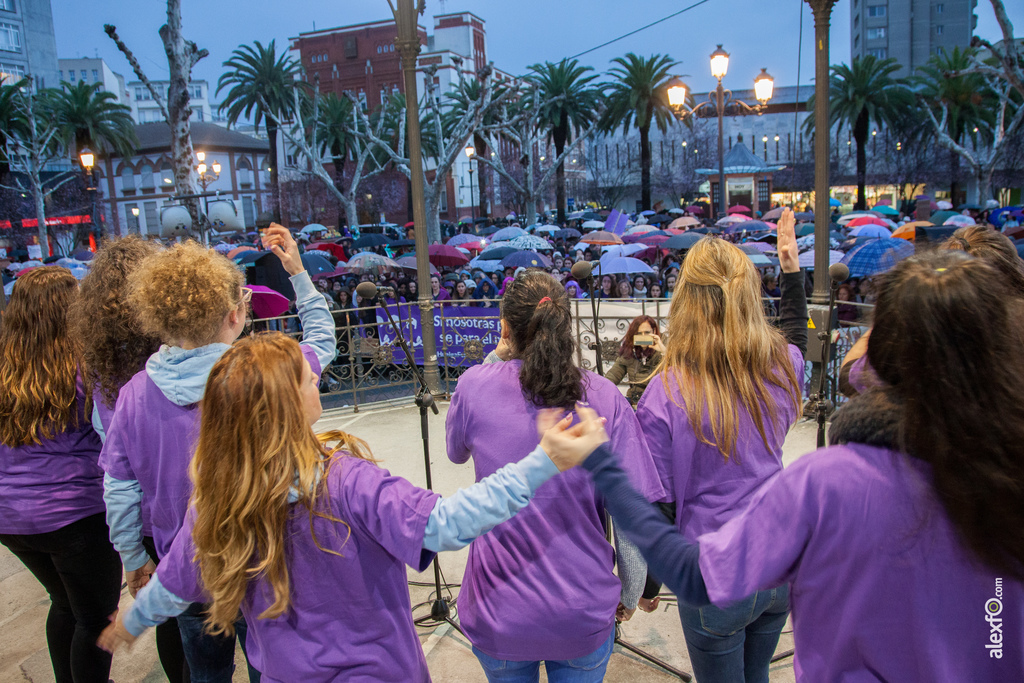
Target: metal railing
x=371, y=367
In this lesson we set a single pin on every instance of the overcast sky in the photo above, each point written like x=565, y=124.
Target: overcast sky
x=757, y=33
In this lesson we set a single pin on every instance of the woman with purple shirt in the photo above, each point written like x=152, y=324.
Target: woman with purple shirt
x=540, y=587
x=312, y=542
x=715, y=421
x=51, y=487
x=193, y=299
x=903, y=545
x=114, y=349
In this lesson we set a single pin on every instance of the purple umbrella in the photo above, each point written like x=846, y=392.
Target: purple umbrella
x=525, y=259
x=621, y=265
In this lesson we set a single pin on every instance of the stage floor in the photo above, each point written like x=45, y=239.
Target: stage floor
x=393, y=433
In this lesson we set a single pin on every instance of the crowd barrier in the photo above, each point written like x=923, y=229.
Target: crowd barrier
x=371, y=366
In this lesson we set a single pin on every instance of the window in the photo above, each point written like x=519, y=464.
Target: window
x=879, y=53
x=856, y=41
x=351, y=47
x=71, y=76
x=196, y=92
x=7, y=5
x=9, y=73
x=128, y=180
x=249, y=212
x=142, y=94
x=244, y=173
x=939, y=30
x=95, y=76
x=62, y=75
x=152, y=220
x=876, y=11
x=939, y=8
x=130, y=218
x=379, y=49
x=147, y=178
x=875, y=33
x=166, y=176
x=856, y=20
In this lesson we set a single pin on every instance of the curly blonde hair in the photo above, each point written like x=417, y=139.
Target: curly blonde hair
x=113, y=344
x=182, y=294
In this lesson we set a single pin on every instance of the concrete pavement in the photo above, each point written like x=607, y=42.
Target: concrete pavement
x=393, y=433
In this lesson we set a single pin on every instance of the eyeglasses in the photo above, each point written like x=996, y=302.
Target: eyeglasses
x=246, y=295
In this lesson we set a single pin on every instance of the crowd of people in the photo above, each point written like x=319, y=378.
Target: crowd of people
x=144, y=434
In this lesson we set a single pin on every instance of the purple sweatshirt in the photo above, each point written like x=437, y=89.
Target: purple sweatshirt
x=540, y=586
x=708, y=489
x=46, y=487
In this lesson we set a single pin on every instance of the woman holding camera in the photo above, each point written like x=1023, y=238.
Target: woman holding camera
x=639, y=356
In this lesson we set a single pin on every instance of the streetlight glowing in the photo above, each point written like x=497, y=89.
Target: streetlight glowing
x=216, y=167
x=676, y=93
x=201, y=156
x=776, y=138
x=202, y=169
x=764, y=138
x=764, y=86
x=719, y=63
x=470, y=151
x=87, y=158
x=135, y=211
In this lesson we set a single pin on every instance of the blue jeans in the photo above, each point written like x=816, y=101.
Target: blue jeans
x=211, y=659
x=736, y=644
x=587, y=669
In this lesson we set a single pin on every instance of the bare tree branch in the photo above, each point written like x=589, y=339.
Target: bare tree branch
x=158, y=96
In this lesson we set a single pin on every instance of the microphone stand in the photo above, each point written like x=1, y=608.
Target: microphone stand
x=822, y=406
x=440, y=610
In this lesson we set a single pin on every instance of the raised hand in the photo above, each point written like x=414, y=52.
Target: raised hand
x=789, y=257
x=278, y=239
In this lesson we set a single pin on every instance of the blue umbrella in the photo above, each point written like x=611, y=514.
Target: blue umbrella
x=805, y=229
x=648, y=212
x=748, y=226
x=507, y=234
x=832, y=201
x=621, y=265
x=525, y=259
x=804, y=216
x=807, y=258
x=488, y=266
x=567, y=234
x=461, y=238
x=759, y=259
x=870, y=230
x=496, y=252
x=877, y=256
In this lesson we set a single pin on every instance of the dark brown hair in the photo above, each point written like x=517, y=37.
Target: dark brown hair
x=947, y=343
x=114, y=347
x=626, y=350
x=541, y=336
x=994, y=247
x=38, y=359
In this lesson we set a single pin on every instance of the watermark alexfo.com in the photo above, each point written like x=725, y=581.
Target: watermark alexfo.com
x=993, y=608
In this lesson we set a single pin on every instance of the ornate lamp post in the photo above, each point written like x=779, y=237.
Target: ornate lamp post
x=721, y=103
x=88, y=161
x=471, y=152
x=207, y=175
x=822, y=18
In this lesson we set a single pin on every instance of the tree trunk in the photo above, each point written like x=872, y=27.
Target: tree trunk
x=983, y=178
x=481, y=179
x=860, y=136
x=954, y=173
x=351, y=212
x=433, y=215
x=645, y=167
x=275, y=191
x=37, y=195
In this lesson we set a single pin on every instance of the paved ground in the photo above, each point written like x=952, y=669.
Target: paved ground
x=393, y=433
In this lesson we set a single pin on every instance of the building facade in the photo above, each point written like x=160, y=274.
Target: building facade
x=146, y=110
x=27, y=43
x=910, y=31
x=93, y=70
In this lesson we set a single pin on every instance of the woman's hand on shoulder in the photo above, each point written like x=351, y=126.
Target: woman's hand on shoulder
x=569, y=446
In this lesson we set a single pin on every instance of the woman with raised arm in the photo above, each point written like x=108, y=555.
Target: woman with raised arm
x=312, y=540
x=51, y=486
x=920, y=498
x=540, y=587
x=194, y=300
x=715, y=419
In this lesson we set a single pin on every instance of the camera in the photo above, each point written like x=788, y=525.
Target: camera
x=643, y=340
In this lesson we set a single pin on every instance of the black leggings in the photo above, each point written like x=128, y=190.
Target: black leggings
x=81, y=571
x=168, y=638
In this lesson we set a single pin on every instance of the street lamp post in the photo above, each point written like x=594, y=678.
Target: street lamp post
x=207, y=175
x=720, y=103
x=471, y=152
x=88, y=161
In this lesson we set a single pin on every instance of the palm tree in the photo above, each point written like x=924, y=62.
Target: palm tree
x=333, y=125
x=569, y=104
x=638, y=98
x=90, y=117
x=260, y=82
x=970, y=103
x=11, y=121
x=859, y=94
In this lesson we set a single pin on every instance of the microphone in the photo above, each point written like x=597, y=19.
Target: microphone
x=368, y=290
x=581, y=270
x=838, y=272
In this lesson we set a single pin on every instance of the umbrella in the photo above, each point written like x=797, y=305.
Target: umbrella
x=804, y=216
x=704, y=230
x=602, y=237
x=748, y=226
x=371, y=239
x=311, y=228
x=525, y=259
x=959, y=221
x=756, y=247
x=676, y=211
x=567, y=234
x=653, y=239
x=773, y=215
x=404, y=243
x=658, y=219
x=940, y=233
x=739, y=208
x=722, y=222
x=846, y=218
x=486, y=266
x=368, y=262
x=759, y=259
x=337, y=272
x=621, y=265
x=684, y=222
x=506, y=234
x=530, y=242
x=908, y=231
x=651, y=253
x=496, y=252
x=82, y=255
x=805, y=229
x=465, y=238
x=575, y=215
x=267, y=303
x=939, y=217
x=593, y=216
x=682, y=241
x=870, y=230
x=549, y=229
x=316, y=264
x=807, y=258
x=1015, y=233
x=695, y=210
x=335, y=250
x=832, y=201
x=968, y=207
x=647, y=212
x=945, y=205
x=885, y=210
x=640, y=230
x=489, y=230
x=592, y=225
x=866, y=220
x=443, y=255
x=408, y=262
x=622, y=249
x=877, y=256
x=239, y=250
x=223, y=247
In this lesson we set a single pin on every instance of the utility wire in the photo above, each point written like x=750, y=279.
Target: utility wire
x=642, y=28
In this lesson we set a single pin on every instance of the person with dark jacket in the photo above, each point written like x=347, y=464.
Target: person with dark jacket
x=637, y=362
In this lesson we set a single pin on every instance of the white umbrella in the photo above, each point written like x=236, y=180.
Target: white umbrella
x=944, y=205
x=676, y=210
x=592, y=225
x=622, y=249
x=313, y=227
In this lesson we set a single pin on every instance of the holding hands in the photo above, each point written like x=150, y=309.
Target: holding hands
x=569, y=446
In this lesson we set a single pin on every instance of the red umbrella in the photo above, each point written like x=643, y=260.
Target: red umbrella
x=651, y=254
x=267, y=303
x=696, y=210
x=335, y=250
x=867, y=220
x=601, y=237
x=410, y=224
x=342, y=269
x=739, y=208
x=442, y=255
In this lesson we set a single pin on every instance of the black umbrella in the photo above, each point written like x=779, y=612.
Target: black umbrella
x=591, y=216
x=481, y=220
x=372, y=239
x=496, y=253
x=490, y=230
x=968, y=207
x=402, y=243
x=316, y=264
x=658, y=218
x=566, y=234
